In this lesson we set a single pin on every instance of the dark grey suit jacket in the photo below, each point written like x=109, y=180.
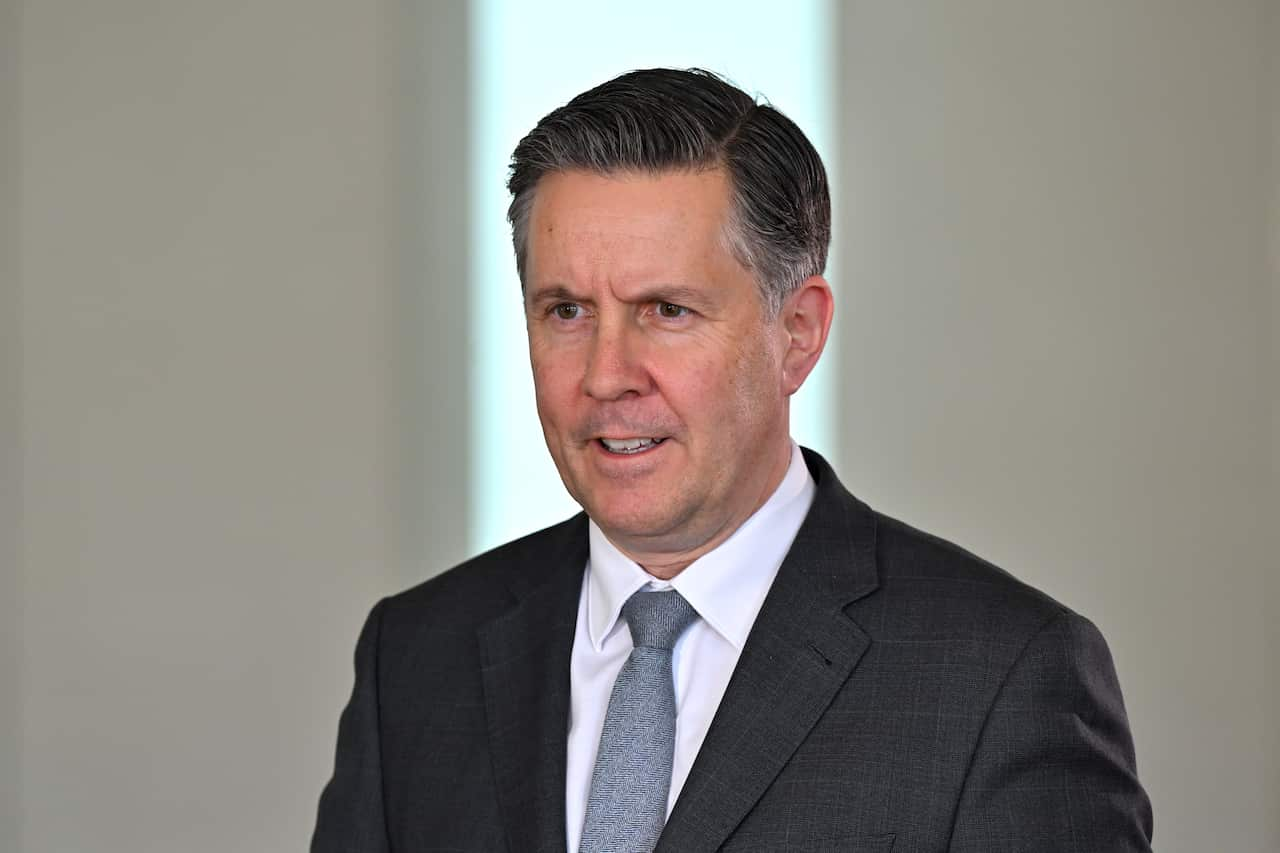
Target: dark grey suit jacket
x=896, y=694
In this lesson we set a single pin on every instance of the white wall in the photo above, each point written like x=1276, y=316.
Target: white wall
x=1057, y=337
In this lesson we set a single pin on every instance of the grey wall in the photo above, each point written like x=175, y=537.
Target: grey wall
x=231, y=361
x=1271, y=98
x=210, y=409
x=1058, y=344
x=10, y=436
x=433, y=115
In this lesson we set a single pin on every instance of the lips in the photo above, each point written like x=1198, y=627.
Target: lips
x=627, y=446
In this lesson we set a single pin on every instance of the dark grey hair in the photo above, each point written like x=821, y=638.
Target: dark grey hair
x=663, y=119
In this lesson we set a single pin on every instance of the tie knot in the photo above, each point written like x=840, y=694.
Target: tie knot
x=657, y=619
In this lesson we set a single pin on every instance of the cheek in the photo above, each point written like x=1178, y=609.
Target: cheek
x=689, y=376
x=704, y=390
x=757, y=382
x=553, y=392
x=557, y=389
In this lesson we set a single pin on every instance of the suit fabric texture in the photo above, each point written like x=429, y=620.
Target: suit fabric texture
x=896, y=693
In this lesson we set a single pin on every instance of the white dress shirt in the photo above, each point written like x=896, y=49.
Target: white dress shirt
x=725, y=586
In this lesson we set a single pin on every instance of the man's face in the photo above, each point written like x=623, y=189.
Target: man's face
x=659, y=376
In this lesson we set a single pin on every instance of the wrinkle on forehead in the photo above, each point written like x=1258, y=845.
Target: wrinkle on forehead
x=586, y=227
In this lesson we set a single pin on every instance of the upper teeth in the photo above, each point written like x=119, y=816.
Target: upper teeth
x=628, y=445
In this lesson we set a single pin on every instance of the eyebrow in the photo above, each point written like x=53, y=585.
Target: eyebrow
x=558, y=291
x=675, y=293
x=555, y=293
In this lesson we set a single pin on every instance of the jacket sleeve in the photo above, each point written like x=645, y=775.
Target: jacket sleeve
x=1054, y=768
x=351, y=818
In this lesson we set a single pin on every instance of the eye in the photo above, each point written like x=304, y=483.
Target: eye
x=565, y=310
x=671, y=311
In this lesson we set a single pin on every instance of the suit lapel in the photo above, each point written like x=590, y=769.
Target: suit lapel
x=525, y=669
x=799, y=653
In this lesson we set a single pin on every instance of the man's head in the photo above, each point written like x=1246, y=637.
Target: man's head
x=667, y=120
x=670, y=234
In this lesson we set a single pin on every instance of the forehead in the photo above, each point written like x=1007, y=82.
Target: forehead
x=627, y=221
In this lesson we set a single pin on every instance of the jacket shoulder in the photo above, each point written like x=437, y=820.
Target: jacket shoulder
x=933, y=588
x=487, y=584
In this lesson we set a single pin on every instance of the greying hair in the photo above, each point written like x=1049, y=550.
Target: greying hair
x=662, y=119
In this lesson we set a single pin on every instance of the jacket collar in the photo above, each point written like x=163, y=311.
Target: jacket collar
x=525, y=672
x=801, y=651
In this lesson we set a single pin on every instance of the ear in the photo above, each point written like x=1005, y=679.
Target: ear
x=805, y=320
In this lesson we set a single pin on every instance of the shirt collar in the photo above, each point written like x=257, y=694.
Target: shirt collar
x=727, y=585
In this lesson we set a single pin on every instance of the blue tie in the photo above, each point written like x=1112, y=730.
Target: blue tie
x=627, y=806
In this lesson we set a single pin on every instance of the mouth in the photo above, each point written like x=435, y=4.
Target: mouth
x=629, y=446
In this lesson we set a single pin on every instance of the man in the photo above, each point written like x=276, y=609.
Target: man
x=727, y=651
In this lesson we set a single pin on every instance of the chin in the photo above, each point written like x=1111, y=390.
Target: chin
x=625, y=518
x=654, y=504
x=629, y=520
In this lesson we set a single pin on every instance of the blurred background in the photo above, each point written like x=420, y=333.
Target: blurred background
x=262, y=357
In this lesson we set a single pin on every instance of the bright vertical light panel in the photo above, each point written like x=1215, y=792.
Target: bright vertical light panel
x=532, y=57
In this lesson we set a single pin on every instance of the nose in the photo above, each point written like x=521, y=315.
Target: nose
x=615, y=368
